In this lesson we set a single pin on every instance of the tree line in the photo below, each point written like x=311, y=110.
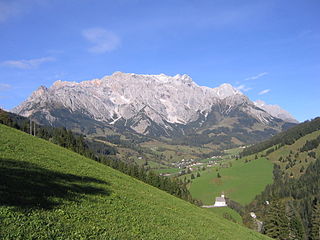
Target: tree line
x=287, y=137
x=310, y=144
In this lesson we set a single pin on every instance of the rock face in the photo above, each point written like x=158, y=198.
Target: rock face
x=152, y=105
x=276, y=111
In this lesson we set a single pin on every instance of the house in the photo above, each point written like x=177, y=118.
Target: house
x=220, y=201
x=253, y=215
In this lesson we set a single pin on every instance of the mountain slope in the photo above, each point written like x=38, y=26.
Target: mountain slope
x=287, y=137
x=276, y=111
x=294, y=161
x=48, y=192
x=294, y=194
x=151, y=105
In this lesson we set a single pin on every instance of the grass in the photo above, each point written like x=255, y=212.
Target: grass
x=168, y=170
x=233, y=151
x=302, y=159
x=241, y=182
x=48, y=192
x=228, y=213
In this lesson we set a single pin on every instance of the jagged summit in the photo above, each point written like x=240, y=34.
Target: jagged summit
x=41, y=89
x=143, y=102
x=226, y=90
x=184, y=78
x=276, y=111
x=60, y=83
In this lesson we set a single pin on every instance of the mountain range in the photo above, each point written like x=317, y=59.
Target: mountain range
x=156, y=106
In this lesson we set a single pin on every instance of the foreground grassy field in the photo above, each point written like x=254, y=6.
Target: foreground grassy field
x=47, y=192
x=227, y=213
x=241, y=182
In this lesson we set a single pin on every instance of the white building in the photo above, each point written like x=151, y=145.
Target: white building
x=253, y=215
x=220, y=201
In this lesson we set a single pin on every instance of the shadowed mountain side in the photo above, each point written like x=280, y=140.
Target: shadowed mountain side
x=25, y=185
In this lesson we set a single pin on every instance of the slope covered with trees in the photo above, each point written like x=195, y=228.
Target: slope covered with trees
x=289, y=207
x=49, y=192
x=285, y=138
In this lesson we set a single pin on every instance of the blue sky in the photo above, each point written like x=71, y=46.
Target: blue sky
x=269, y=49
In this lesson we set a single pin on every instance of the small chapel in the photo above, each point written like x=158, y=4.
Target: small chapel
x=220, y=201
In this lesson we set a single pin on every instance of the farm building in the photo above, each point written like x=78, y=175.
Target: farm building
x=220, y=201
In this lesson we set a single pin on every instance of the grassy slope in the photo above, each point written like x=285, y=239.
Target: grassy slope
x=241, y=182
x=301, y=160
x=48, y=192
x=223, y=211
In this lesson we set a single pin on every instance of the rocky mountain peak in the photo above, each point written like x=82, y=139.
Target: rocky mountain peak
x=183, y=78
x=160, y=78
x=145, y=100
x=41, y=90
x=276, y=111
x=226, y=90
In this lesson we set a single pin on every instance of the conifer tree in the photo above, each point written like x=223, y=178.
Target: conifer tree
x=296, y=231
x=315, y=221
x=276, y=223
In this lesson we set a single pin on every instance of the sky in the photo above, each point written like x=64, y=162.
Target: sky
x=270, y=50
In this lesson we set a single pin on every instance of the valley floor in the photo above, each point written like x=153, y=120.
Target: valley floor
x=239, y=180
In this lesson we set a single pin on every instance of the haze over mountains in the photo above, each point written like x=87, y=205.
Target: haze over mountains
x=153, y=105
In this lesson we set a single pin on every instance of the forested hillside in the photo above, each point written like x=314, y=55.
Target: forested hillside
x=289, y=208
x=285, y=138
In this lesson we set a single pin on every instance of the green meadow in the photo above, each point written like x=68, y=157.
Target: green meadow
x=48, y=192
x=227, y=213
x=168, y=170
x=240, y=182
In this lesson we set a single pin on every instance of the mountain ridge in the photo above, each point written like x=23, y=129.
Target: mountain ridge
x=151, y=105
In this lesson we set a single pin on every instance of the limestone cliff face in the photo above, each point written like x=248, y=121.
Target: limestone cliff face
x=143, y=102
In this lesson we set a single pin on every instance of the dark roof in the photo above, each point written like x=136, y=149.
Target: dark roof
x=220, y=199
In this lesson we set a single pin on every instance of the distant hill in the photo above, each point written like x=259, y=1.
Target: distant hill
x=48, y=192
x=292, y=150
x=286, y=137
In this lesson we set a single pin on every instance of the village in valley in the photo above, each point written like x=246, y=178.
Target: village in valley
x=191, y=165
x=188, y=166
x=213, y=180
